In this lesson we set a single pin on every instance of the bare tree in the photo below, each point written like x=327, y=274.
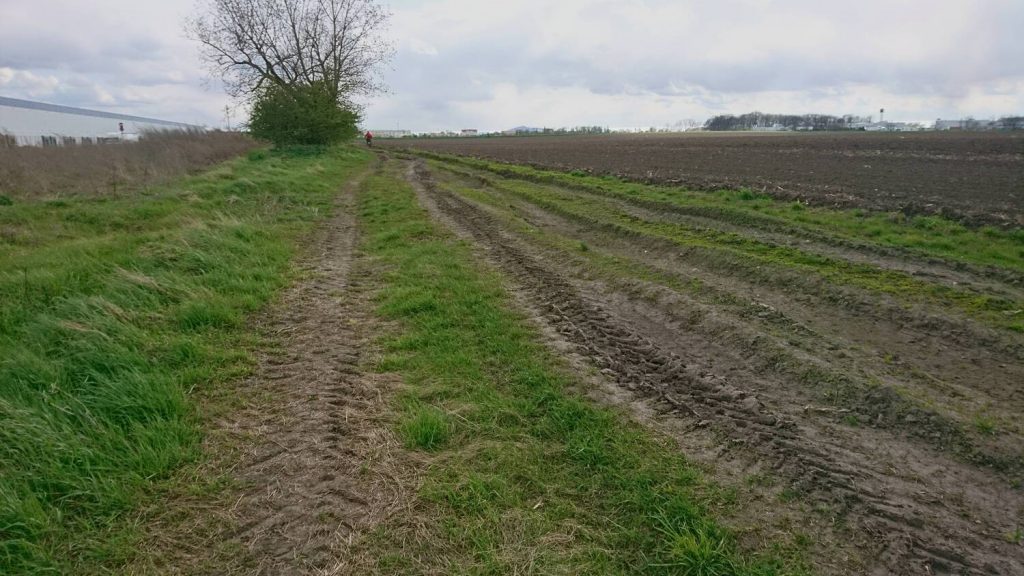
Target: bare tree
x=253, y=44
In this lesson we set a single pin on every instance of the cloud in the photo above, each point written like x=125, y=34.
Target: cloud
x=925, y=58
x=113, y=55
x=466, y=63
x=22, y=81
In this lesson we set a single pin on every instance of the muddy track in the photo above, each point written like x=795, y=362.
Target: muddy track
x=925, y=318
x=975, y=177
x=861, y=360
x=772, y=231
x=922, y=511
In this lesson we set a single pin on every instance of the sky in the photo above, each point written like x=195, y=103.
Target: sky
x=493, y=65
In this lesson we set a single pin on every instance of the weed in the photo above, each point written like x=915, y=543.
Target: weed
x=257, y=155
x=760, y=479
x=696, y=551
x=426, y=428
x=986, y=425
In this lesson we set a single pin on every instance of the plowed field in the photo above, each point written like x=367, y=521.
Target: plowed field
x=882, y=420
x=975, y=176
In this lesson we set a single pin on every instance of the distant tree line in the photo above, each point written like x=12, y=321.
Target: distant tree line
x=756, y=120
x=753, y=120
x=583, y=130
x=1011, y=122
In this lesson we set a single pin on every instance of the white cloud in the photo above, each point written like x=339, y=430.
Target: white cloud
x=23, y=81
x=490, y=65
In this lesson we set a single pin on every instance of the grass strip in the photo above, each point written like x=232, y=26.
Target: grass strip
x=113, y=311
x=598, y=210
x=925, y=236
x=868, y=395
x=525, y=476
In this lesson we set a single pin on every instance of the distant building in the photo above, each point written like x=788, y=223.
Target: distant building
x=390, y=133
x=941, y=124
x=522, y=130
x=773, y=128
x=28, y=123
x=887, y=126
x=967, y=124
x=469, y=132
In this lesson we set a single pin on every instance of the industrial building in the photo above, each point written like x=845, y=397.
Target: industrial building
x=391, y=133
x=27, y=123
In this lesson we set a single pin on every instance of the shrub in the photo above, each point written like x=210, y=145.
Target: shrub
x=308, y=115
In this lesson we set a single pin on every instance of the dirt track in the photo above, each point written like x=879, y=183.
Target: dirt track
x=304, y=498
x=977, y=176
x=318, y=461
x=774, y=376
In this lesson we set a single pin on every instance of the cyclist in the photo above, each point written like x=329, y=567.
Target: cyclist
x=369, y=138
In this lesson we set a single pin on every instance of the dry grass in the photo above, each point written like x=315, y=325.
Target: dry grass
x=29, y=172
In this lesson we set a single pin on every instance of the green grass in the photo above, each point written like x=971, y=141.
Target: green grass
x=829, y=382
x=113, y=312
x=929, y=236
x=425, y=427
x=738, y=251
x=524, y=474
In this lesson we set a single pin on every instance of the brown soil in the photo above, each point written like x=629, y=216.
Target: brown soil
x=976, y=176
x=900, y=489
x=318, y=463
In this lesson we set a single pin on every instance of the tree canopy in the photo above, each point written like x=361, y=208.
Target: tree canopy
x=251, y=44
x=298, y=63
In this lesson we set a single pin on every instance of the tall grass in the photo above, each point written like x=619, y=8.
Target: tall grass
x=29, y=172
x=113, y=311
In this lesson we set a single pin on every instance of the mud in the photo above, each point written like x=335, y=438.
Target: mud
x=978, y=177
x=845, y=347
x=318, y=463
x=904, y=505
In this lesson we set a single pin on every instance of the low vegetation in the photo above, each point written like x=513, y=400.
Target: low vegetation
x=114, y=311
x=32, y=173
x=924, y=236
x=524, y=474
x=305, y=115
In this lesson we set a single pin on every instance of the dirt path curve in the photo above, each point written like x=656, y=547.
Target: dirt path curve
x=317, y=466
x=937, y=516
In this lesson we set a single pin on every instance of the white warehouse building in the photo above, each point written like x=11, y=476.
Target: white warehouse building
x=28, y=123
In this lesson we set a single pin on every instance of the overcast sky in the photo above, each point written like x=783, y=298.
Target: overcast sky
x=619, y=63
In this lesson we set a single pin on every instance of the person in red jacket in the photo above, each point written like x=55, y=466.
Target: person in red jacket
x=369, y=138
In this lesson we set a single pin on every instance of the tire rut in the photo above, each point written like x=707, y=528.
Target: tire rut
x=319, y=464
x=856, y=358
x=763, y=229
x=910, y=536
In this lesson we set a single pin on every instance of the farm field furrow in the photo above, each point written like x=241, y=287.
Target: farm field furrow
x=893, y=421
x=975, y=176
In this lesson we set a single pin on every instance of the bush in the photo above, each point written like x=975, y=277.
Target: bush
x=308, y=115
